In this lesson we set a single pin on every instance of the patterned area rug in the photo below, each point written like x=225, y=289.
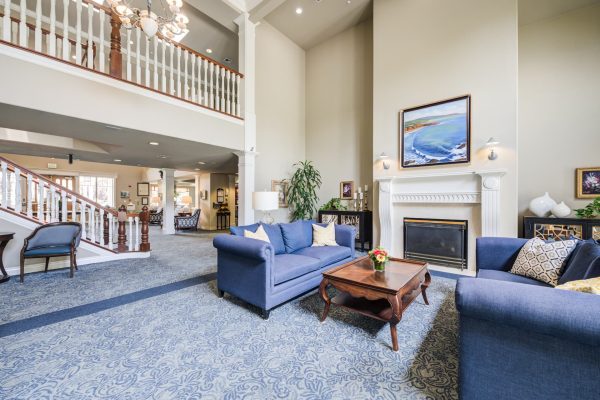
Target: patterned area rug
x=180, y=341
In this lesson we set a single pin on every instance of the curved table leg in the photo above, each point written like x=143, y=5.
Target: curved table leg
x=4, y=277
x=325, y=297
x=425, y=285
x=396, y=304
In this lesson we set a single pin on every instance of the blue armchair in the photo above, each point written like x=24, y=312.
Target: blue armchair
x=52, y=240
x=522, y=339
x=268, y=274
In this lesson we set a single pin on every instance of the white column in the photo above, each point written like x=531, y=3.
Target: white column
x=490, y=202
x=246, y=171
x=386, y=215
x=168, y=203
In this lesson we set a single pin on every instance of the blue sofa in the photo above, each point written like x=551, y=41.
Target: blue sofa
x=268, y=274
x=520, y=338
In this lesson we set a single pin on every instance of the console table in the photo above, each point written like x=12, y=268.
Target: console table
x=561, y=228
x=361, y=220
x=223, y=219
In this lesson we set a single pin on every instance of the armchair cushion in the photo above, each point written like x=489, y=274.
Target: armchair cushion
x=54, y=235
x=48, y=251
x=297, y=235
x=507, y=277
x=326, y=255
x=583, y=257
x=290, y=266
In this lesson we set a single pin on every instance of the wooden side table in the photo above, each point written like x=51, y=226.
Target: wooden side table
x=5, y=237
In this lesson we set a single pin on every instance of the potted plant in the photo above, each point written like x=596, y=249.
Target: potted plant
x=379, y=256
x=334, y=204
x=302, y=192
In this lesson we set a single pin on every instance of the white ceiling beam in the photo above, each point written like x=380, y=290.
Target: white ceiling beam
x=220, y=11
x=263, y=8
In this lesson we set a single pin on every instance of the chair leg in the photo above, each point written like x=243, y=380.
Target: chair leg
x=47, y=262
x=72, y=267
x=75, y=261
x=22, y=272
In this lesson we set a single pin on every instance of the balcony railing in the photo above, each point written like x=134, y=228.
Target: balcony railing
x=94, y=38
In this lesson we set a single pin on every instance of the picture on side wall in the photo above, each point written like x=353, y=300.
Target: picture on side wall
x=124, y=194
x=143, y=189
x=437, y=133
x=281, y=187
x=144, y=201
x=346, y=190
x=588, y=183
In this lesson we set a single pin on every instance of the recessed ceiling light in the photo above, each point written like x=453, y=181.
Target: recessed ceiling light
x=196, y=169
x=153, y=143
x=227, y=60
x=162, y=156
x=209, y=51
x=299, y=10
x=201, y=162
x=117, y=160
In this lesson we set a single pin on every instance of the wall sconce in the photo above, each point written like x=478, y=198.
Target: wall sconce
x=385, y=160
x=491, y=144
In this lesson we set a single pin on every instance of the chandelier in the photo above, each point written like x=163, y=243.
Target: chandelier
x=172, y=24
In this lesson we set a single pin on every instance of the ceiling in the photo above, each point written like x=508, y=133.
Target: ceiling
x=536, y=10
x=98, y=142
x=320, y=19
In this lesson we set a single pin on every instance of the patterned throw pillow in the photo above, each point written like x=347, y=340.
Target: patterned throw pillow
x=543, y=261
x=585, y=286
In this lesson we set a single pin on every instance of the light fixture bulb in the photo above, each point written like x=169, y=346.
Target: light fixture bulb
x=149, y=26
x=299, y=10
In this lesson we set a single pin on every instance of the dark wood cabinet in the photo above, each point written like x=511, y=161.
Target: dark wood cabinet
x=361, y=220
x=561, y=228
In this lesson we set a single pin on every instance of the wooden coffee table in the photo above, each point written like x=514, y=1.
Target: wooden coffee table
x=379, y=295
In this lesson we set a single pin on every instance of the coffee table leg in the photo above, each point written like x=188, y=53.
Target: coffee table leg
x=325, y=297
x=425, y=285
x=4, y=277
x=396, y=317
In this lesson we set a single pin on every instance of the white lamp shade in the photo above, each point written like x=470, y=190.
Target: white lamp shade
x=265, y=201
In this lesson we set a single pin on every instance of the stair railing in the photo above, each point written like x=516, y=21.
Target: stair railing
x=31, y=196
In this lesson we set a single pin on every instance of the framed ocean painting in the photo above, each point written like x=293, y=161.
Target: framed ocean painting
x=437, y=133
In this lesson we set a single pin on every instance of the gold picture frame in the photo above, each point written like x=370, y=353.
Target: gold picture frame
x=347, y=190
x=587, y=183
x=281, y=187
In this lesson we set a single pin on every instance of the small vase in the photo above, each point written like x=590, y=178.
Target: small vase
x=542, y=205
x=561, y=210
x=379, y=267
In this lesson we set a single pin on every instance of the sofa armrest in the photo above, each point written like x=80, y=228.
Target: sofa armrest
x=244, y=247
x=564, y=314
x=345, y=236
x=497, y=253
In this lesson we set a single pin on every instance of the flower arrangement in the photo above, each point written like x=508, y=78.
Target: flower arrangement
x=380, y=257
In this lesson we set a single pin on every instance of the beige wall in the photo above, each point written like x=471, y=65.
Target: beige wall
x=280, y=109
x=339, y=112
x=126, y=177
x=559, y=94
x=431, y=50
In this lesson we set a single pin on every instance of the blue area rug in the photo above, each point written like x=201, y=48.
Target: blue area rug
x=164, y=334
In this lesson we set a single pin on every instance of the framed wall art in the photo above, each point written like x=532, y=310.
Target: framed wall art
x=143, y=189
x=281, y=187
x=588, y=183
x=346, y=190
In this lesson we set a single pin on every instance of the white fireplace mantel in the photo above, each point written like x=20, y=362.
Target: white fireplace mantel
x=456, y=187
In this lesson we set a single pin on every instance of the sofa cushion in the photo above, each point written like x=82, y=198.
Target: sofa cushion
x=275, y=237
x=297, y=235
x=507, y=277
x=239, y=230
x=291, y=266
x=326, y=254
x=543, y=261
x=583, y=257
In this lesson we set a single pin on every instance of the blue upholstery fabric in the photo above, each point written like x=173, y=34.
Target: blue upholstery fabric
x=497, y=253
x=189, y=222
x=239, y=230
x=508, y=277
x=579, y=263
x=290, y=266
x=48, y=251
x=345, y=235
x=297, y=235
x=54, y=235
x=326, y=254
x=593, y=271
x=275, y=237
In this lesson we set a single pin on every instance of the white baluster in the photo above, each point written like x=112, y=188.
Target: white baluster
x=15, y=32
x=129, y=55
x=110, y=231
x=52, y=34
x=217, y=86
x=205, y=80
x=211, y=102
x=138, y=61
x=66, y=46
x=64, y=213
x=73, y=208
x=137, y=233
x=18, y=202
x=90, y=43
x=30, y=195
x=178, y=71
x=52, y=201
x=102, y=60
x=228, y=93
x=40, y=210
x=193, y=94
x=84, y=234
x=155, y=43
x=130, y=236
x=78, y=34
x=6, y=22
x=101, y=224
x=238, y=111
x=222, y=93
x=5, y=184
x=164, y=66
x=172, y=70
x=186, y=86
x=22, y=25
x=38, y=26
x=147, y=70
x=93, y=223
x=233, y=90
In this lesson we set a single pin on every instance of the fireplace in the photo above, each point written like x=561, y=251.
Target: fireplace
x=437, y=241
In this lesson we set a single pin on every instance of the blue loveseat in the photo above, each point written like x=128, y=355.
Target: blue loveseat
x=520, y=338
x=268, y=274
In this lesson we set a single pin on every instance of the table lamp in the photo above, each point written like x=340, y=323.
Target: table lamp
x=265, y=202
x=186, y=200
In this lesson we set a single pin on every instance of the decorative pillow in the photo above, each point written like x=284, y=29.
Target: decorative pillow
x=260, y=234
x=543, y=261
x=297, y=235
x=580, y=261
x=324, y=235
x=239, y=230
x=585, y=286
x=275, y=237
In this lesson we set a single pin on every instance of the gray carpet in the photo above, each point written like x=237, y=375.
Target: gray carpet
x=154, y=328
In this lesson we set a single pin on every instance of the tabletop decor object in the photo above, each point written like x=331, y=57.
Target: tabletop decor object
x=542, y=205
x=379, y=256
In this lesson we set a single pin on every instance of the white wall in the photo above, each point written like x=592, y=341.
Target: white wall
x=559, y=95
x=280, y=109
x=339, y=109
x=430, y=50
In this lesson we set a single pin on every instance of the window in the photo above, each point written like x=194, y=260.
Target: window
x=99, y=189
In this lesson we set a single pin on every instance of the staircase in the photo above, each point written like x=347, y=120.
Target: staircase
x=28, y=200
